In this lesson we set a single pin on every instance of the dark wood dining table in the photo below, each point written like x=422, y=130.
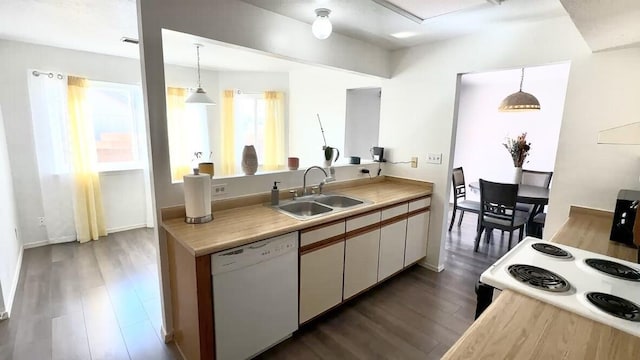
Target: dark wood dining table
x=527, y=194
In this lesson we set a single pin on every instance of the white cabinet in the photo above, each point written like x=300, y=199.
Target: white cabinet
x=392, y=243
x=321, y=274
x=417, y=232
x=361, y=262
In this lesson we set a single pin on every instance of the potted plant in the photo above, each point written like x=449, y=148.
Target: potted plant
x=518, y=148
x=204, y=167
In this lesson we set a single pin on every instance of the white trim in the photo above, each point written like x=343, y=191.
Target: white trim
x=168, y=337
x=72, y=239
x=431, y=267
x=128, y=227
x=14, y=287
x=48, y=242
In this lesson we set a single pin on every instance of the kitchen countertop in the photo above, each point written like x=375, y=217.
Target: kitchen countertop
x=245, y=224
x=516, y=326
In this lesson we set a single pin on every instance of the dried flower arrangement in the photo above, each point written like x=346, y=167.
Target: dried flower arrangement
x=518, y=148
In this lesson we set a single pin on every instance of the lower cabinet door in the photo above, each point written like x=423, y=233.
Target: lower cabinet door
x=392, y=242
x=361, y=262
x=321, y=274
x=417, y=233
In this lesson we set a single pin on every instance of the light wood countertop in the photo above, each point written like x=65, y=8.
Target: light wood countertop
x=516, y=326
x=241, y=225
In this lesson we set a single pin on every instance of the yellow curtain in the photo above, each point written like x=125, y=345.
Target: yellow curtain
x=274, y=131
x=179, y=154
x=228, y=159
x=87, y=207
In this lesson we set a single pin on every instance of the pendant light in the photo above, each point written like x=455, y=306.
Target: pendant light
x=200, y=96
x=520, y=101
x=322, y=27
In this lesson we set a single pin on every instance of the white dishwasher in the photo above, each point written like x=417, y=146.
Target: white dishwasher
x=255, y=296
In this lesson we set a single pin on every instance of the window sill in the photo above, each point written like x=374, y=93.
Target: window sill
x=299, y=170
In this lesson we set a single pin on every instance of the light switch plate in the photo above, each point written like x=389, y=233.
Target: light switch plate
x=434, y=158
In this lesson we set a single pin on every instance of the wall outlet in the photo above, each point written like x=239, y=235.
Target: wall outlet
x=434, y=158
x=41, y=221
x=218, y=189
x=414, y=162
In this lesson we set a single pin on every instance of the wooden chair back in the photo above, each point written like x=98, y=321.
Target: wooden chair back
x=498, y=201
x=459, y=185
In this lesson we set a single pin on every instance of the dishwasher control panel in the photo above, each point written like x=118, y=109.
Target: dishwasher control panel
x=253, y=253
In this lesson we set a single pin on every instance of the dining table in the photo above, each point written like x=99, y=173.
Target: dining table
x=537, y=196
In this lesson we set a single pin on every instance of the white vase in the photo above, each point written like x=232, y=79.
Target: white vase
x=517, y=175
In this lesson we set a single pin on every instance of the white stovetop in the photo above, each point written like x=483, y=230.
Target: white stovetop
x=582, y=278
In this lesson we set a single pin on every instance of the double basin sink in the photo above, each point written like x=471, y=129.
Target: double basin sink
x=313, y=206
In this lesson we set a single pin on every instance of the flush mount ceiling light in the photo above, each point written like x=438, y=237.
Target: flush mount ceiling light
x=322, y=27
x=520, y=101
x=200, y=96
x=404, y=34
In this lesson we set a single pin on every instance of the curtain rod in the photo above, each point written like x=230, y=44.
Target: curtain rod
x=50, y=75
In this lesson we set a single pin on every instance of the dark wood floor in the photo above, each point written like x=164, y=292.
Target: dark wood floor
x=100, y=300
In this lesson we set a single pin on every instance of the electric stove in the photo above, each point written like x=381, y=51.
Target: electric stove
x=598, y=287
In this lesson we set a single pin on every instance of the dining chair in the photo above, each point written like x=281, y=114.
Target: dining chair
x=498, y=210
x=534, y=178
x=538, y=225
x=460, y=201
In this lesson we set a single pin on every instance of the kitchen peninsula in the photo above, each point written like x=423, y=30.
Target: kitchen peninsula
x=516, y=326
x=389, y=230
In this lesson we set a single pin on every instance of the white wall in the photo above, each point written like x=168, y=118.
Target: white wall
x=419, y=102
x=362, y=129
x=10, y=247
x=481, y=128
x=324, y=92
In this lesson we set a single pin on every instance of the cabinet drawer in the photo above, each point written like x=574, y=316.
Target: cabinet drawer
x=394, y=211
x=308, y=237
x=362, y=221
x=419, y=204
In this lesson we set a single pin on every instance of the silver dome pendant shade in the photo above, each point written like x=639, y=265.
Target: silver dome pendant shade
x=199, y=96
x=519, y=101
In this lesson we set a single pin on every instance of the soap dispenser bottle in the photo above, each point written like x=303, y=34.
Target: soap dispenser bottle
x=275, y=194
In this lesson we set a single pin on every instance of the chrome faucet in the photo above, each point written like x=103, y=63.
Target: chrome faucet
x=327, y=178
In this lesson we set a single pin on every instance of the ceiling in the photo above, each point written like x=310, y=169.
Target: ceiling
x=374, y=23
x=606, y=24
x=97, y=25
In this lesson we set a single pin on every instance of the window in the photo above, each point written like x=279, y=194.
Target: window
x=250, y=118
x=118, y=124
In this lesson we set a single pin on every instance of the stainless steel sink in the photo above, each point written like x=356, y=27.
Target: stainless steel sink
x=304, y=209
x=338, y=201
x=313, y=206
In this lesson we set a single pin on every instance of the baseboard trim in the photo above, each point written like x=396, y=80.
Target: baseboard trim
x=125, y=228
x=14, y=286
x=431, y=267
x=48, y=242
x=166, y=336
